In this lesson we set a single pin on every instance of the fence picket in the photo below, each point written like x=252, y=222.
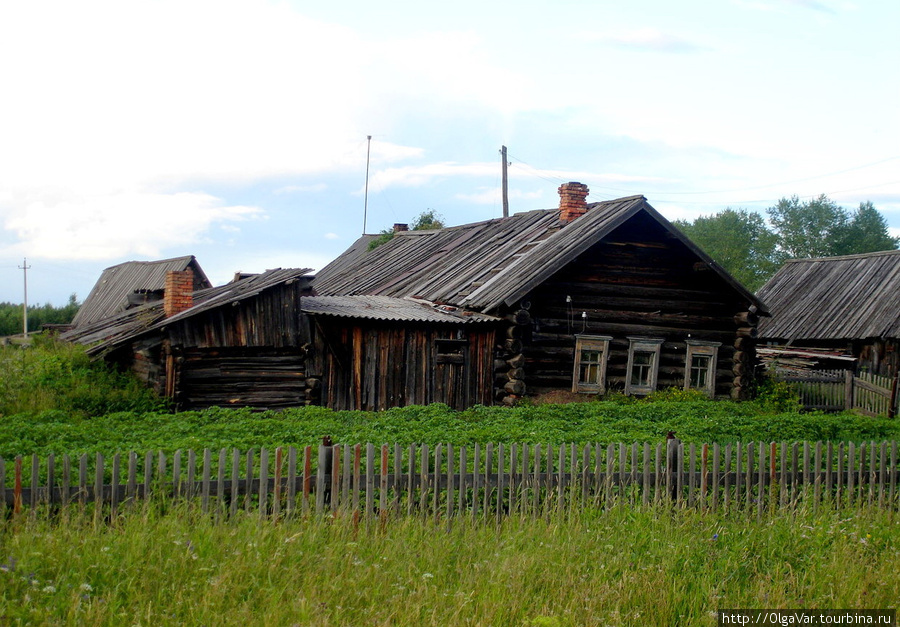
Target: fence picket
x=98, y=487
x=114, y=487
x=291, y=496
x=235, y=479
x=220, y=484
x=131, y=485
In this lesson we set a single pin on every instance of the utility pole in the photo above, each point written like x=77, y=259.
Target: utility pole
x=366, y=200
x=24, y=268
x=504, y=184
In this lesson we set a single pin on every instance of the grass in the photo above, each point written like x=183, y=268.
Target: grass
x=628, y=566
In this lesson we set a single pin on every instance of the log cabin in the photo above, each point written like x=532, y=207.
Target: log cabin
x=585, y=298
x=243, y=344
x=847, y=305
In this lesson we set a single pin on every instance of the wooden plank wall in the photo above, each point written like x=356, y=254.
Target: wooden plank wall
x=373, y=366
x=635, y=283
x=446, y=480
x=271, y=319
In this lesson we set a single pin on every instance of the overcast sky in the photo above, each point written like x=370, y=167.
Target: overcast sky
x=235, y=130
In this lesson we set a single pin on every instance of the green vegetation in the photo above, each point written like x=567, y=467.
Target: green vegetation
x=608, y=421
x=11, y=316
x=54, y=399
x=626, y=565
x=53, y=375
x=425, y=221
x=752, y=251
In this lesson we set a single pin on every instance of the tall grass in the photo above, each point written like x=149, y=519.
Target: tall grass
x=55, y=375
x=621, y=566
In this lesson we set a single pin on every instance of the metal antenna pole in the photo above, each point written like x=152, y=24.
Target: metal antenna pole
x=24, y=268
x=366, y=200
x=504, y=183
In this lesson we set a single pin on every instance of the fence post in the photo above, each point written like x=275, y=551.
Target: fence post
x=672, y=468
x=892, y=409
x=848, y=390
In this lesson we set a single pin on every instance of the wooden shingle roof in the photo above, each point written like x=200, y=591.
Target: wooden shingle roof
x=484, y=265
x=109, y=295
x=834, y=298
x=126, y=325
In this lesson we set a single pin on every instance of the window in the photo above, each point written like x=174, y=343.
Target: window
x=643, y=364
x=450, y=351
x=700, y=366
x=591, y=353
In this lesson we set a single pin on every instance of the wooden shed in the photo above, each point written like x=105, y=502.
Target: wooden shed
x=592, y=297
x=241, y=344
x=377, y=352
x=849, y=304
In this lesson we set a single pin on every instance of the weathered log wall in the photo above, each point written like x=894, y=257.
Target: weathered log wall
x=250, y=353
x=641, y=281
x=374, y=366
x=241, y=377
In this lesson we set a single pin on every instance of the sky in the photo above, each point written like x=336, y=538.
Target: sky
x=236, y=130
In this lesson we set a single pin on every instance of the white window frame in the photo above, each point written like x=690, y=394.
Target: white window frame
x=704, y=349
x=652, y=346
x=590, y=343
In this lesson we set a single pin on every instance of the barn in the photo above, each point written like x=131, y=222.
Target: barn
x=848, y=305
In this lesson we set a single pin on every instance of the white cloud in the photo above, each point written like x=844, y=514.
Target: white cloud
x=649, y=39
x=332, y=236
x=493, y=196
x=416, y=176
x=116, y=224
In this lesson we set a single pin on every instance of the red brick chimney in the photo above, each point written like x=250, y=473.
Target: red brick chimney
x=398, y=227
x=572, y=201
x=178, y=294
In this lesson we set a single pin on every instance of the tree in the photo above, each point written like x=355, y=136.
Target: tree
x=739, y=241
x=867, y=232
x=822, y=228
x=426, y=221
x=815, y=228
x=11, y=316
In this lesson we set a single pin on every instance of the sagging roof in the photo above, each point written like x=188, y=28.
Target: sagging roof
x=109, y=296
x=484, y=265
x=390, y=309
x=834, y=298
x=107, y=333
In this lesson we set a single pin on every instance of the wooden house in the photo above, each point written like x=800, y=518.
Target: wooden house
x=240, y=344
x=848, y=304
x=584, y=298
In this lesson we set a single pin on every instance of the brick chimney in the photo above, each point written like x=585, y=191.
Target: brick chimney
x=572, y=201
x=398, y=227
x=178, y=294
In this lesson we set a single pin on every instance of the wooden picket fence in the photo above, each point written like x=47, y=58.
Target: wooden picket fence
x=839, y=390
x=445, y=480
